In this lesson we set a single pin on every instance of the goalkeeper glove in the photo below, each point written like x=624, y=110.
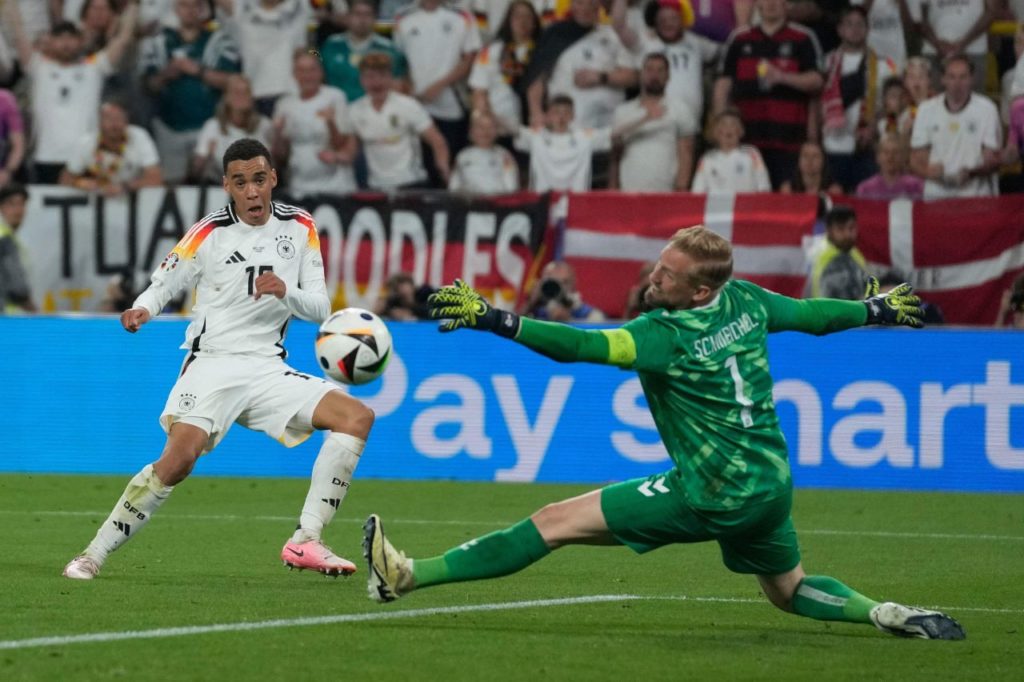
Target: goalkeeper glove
x=459, y=305
x=898, y=306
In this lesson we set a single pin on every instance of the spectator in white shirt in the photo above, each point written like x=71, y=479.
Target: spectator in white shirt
x=951, y=27
x=236, y=117
x=656, y=151
x=66, y=86
x=886, y=28
x=583, y=59
x=732, y=168
x=390, y=126
x=484, y=167
x=956, y=139
x=440, y=43
x=120, y=158
x=561, y=156
x=267, y=33
x=314, y=134
x=687, y=52
x=497, y=78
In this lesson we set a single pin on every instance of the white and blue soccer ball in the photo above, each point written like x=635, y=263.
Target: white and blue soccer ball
x=353, y=346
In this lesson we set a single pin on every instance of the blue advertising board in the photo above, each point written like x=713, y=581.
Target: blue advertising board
x=936, y=409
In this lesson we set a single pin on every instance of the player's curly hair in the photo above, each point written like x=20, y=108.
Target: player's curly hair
x=245, y=149
x=711, y=253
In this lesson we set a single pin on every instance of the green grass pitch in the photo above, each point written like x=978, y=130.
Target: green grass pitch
x=210, y=556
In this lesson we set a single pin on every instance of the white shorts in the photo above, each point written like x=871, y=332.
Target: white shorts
x=262, y=394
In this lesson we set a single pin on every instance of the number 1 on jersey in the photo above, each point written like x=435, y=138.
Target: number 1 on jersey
x=741, y=398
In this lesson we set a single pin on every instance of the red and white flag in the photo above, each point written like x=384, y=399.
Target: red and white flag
x=610, y=236
x=960, y=254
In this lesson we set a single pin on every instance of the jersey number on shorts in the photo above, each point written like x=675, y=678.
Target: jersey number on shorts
x=741, y=398
x=252, y=273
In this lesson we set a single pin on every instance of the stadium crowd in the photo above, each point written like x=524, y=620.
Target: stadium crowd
x=874, y=98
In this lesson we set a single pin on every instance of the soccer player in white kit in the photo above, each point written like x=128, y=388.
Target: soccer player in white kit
x=255, y=264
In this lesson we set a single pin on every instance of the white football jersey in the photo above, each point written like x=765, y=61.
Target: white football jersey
x=957, y=140
x=686, y=60
x=732, y=172
x=951, y=20
x=391, y=139
x=650, y=154
x=562, y=161
x=600, y=50
x=308, y=135
x=65, y=103
x=434, y=42
x=267, y=37
x=484, y=171
x=222, y=257
x=138, y=154
x=885, y=31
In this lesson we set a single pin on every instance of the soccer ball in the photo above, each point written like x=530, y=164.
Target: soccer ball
x=353, y=346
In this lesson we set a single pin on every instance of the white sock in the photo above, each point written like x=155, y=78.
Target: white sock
x=332, y=473
x=140, y=499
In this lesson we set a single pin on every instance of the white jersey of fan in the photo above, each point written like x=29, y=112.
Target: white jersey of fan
x=222, y=257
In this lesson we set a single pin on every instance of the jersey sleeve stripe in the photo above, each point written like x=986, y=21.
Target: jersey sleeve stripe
x=189, y=244
x=286, y=212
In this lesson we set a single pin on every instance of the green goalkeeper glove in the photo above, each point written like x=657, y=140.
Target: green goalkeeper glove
x=898, y=306
x=459, y=305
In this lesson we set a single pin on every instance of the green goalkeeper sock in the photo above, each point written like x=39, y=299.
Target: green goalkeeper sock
x=824, y=598
x=496, y=554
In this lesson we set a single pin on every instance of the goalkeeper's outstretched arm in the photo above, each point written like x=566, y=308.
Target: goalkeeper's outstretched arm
x=458, y=305
x=825, y=315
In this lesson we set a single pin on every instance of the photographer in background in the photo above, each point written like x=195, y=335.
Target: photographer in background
x=555, y=297
x=1011, y=309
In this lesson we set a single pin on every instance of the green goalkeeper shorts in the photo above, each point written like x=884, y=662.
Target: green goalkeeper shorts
x=647, y=513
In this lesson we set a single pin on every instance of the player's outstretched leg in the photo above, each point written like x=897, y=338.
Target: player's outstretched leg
x=578, y=520
x=349, y=422
x=500, y=553
x=143, y=495
x=825, y=598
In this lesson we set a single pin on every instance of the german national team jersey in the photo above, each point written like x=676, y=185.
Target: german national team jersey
x=705, y=374
x=222, y=257
x=775, y=117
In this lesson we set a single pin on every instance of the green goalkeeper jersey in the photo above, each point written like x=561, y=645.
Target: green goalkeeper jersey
x=705, y=374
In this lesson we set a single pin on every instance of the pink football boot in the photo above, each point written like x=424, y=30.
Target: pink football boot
x=315, y=556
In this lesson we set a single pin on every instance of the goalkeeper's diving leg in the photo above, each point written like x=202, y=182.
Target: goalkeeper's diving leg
x=824, y=598
x=578, y=520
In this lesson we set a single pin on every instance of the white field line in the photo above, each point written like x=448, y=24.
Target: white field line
x=184, y=631
x=499, y=524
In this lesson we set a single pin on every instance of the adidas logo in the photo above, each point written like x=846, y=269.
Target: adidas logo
x=334, y=502
x=235, y=258
x=123, y=527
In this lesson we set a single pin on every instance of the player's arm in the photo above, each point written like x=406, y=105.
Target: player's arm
x=459, y=305
x=180, y=270
x=827, y=315
x=309, y=301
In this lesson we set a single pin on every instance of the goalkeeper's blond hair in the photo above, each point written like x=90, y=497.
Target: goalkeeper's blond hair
x=711, y=254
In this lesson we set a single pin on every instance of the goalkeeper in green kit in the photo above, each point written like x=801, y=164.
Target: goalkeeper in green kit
x=702, y=360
